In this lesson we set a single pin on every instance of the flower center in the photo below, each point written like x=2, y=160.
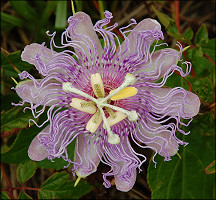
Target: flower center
x=97, y=106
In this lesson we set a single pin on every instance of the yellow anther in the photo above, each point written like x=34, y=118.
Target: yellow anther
x=179, y=155
x=83, y=105
x=87, y=103
x=124, y=93
x=77, y=181
x=119, y=117
x=97, y=85
x=94, y=122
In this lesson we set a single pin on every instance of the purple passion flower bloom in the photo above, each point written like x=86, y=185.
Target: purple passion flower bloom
x=106, y=98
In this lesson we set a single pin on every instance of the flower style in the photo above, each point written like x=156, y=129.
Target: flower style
x=106, y=98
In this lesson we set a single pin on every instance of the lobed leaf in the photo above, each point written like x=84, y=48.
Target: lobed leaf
x=23, y=195
x=170, y=25
x=13, y=119
x=26, y=171
x=202, y=35
x=4, y=195
x=209, y=48
x=188, y=34
x=203, y=87
x=18, y=152
x=59, y=186
x=184, y=178
x=12, y=64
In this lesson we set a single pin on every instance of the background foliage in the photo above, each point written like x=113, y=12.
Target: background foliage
x=191, y=177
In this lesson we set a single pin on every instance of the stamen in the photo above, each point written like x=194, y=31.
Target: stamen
x=119, y=117
x=83, y=105
x=97, y=85
x=94, y=122
x=124, y=93
x=111, y=113
x=112, y=137
x=67, y=87
x=132, y=115
x=129, y=80
x=87, y=103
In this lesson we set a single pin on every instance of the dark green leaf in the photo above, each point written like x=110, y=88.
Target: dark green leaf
x=61, y=15
x=12, y=64
x=7, y=99
x=184, y=178
x=209, y=48
x=203, y=88
x=78, y=5
x=202, y=35
x=50, y=7
x=18, y=152
x=4, y=195
x=25, y=10
x=13, y=119
x=23, y=195
x=175, y=81
x=60, y=186
x=188, y=34
x=10, y=19
x=170, y=25
x=164, y=19
x=26, y=171
x=197, y=52
x=202, y=67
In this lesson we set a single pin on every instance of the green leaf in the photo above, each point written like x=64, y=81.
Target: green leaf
x=59, y=186
x=26, y=171
x=23, y=195
x=202, y=35
x=12, y=64
x=50, y=7
x=5, y=99
x=14, y=119
x=18, y=152
x=61, y=15
x=209, y=48
x=25, y=10
x=58, y=163
x=202, y=67
x=78, y=5
x=4, y=195
x=184, y=178
x=10, y=19
x=188, y=34
x=197, y=52
x=170, y=25
x=164, y=19
x=211, y=168
x=203, y=88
